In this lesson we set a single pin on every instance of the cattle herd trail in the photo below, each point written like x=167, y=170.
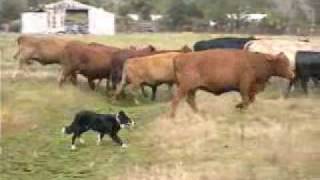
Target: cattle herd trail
x=275, y=138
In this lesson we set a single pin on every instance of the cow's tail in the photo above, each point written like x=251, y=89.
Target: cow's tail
x=123, y=81
x=19, y=41
x=175, y=68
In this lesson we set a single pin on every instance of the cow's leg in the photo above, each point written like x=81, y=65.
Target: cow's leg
x=108, y=86
x=315, y=81
x=291, y=83
x=144, y=93
x=73, y=79
x=91, y=84
x=304, y=84
x=245, y=88
x=191, y=101
x=180, y=93
x=154, y=92
x=19, y=68
x=132, y=88
x=65, y=74
x=252, y=93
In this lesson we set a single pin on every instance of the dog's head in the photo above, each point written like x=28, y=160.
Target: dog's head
x=124, y=120
x=66, y=130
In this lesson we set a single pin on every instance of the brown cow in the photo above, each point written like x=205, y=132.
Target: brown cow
x=91, y=61
x=43, y=49
x=150, y=70
x=219, y=71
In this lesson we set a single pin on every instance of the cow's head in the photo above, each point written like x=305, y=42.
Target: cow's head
x=124, y=120
x=281, y=65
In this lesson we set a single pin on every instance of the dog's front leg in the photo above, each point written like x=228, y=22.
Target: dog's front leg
x=73, y=146
x=117, y=139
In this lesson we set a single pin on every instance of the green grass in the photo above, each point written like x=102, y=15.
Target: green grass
x=274, y=139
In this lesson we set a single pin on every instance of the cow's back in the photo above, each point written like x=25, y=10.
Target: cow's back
x=308, y=63
x=210, y=68
x=45, y=49
x=224, y=43
x=152, y=68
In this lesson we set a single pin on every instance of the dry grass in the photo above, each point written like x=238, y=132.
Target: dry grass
x=274, y=139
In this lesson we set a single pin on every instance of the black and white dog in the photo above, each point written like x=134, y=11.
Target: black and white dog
x=101, y=123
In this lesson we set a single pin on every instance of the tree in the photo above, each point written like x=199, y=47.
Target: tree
x=181, y=13
x=11, y=9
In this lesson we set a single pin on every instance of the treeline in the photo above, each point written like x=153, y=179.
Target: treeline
x=192, y=13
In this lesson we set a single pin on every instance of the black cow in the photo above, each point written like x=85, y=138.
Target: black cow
x=101, y=123
x=307, y=67
x=227, y=42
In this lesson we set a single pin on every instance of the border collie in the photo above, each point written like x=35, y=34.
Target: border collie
x=100, y=123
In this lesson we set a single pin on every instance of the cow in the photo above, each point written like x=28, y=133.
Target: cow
x=119, y=59
x=152, y=71
x=43, y=49
x=222, y=43
x=107, y=48
x=90, y=61
x=219, y=71
x=288, y=47
x=307, y=67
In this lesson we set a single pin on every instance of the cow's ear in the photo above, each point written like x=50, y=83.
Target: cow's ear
x=270, y=57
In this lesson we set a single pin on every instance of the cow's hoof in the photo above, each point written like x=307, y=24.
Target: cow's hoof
x=136, y=102
x=239, y=106
x=73, y=147
x=81, y=141
x=124, y=145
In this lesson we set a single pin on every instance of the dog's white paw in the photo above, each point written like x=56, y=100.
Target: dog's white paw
x=81, y=141
x=73, y=147
x=124, y=145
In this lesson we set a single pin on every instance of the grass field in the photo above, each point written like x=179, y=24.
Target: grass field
x=274, y=139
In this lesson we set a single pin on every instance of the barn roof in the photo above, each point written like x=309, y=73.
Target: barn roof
x=68, y=4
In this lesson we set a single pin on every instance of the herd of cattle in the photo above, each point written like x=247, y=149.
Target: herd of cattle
x=219, y=65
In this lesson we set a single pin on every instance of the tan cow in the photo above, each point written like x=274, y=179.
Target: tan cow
x=43, y=49
x=150, y=70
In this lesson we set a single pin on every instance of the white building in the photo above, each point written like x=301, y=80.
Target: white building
x=57, y=17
